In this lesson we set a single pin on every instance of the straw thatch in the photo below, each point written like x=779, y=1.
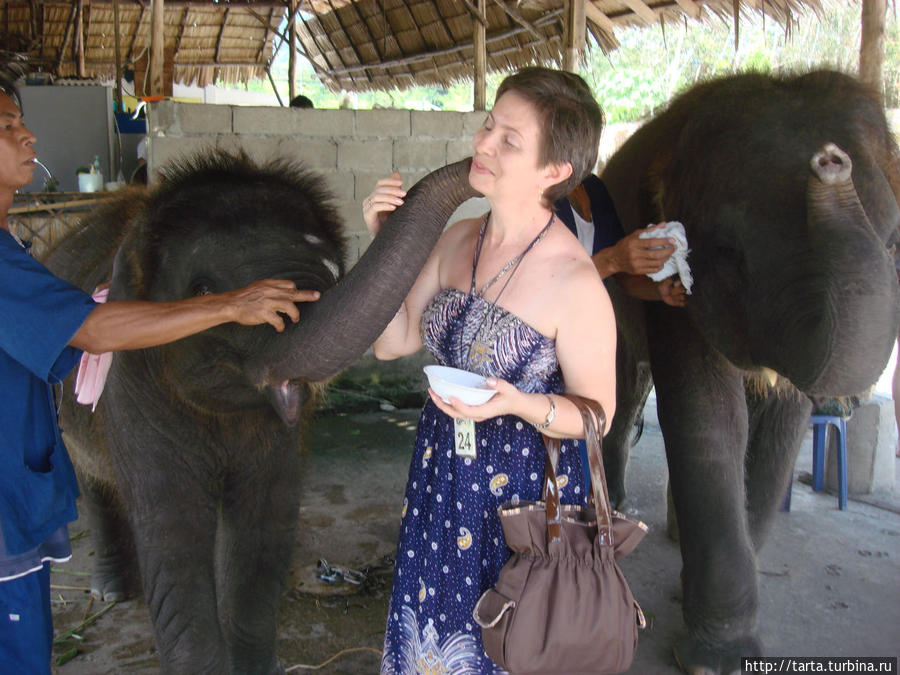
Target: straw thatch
x=354, y=45
x=381, y=44
x=232, y=41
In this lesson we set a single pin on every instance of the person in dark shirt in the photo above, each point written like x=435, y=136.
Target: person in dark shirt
x=588, y=211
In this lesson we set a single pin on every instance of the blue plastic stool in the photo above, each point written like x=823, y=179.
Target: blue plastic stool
x=820, y=423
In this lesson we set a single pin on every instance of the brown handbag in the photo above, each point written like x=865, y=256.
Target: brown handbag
x=561, y=603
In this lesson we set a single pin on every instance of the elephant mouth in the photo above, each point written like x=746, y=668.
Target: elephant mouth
x=287, y=398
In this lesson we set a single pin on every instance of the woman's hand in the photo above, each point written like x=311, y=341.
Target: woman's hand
x=386, y=197
x=507, y=401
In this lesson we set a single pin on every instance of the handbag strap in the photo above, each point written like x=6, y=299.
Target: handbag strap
x=592, y=415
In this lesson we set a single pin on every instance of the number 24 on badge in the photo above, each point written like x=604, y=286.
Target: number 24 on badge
x=464, y=433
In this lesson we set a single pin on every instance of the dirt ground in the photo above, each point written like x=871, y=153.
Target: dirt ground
x=828, y=578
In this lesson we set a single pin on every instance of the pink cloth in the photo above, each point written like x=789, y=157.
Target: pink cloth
x=93, y=369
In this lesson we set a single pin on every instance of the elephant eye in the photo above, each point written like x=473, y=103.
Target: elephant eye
x=200, y=287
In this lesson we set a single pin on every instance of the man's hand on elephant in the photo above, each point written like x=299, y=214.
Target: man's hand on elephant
x=386, y=197
x=267, y=301
x=634, y=255
x=672, y=292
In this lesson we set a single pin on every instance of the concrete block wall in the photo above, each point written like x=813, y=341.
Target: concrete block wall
x=351, y=148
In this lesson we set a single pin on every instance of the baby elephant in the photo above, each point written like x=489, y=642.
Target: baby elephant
x=190, y=466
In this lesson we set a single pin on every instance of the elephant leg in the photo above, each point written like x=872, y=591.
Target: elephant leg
x=633, y=384
x=258, y=533
x=174, y=516
x=703, y=416
x=632, y=387
x=114, y=576
x=778, y=422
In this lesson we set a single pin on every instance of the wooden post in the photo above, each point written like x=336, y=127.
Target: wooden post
x=292, y=54
x=78, y=43
x=576, y=28
x=479, y=43
x=157, y=45
x=118, y=57
x=871, y=44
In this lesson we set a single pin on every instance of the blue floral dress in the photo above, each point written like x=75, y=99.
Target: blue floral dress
x=451, y=543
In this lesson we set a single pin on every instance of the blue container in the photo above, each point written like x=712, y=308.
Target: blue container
x=129, y=126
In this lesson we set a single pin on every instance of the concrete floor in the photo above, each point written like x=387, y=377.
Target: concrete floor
x=828, y=578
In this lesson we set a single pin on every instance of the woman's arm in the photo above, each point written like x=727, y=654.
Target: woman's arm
x=119, y=325
x=586, y=349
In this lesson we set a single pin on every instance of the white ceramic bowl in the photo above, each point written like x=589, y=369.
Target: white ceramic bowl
x=467, y=387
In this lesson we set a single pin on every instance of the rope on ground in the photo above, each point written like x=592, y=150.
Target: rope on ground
x=301, y=666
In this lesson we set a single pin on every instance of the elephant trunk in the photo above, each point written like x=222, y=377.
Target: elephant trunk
x=347, y=319
x=847, y=322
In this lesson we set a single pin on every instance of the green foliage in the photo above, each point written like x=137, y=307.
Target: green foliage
x=653, y=64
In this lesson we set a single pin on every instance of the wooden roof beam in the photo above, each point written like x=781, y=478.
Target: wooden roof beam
x=65, y=40
x=594, y=15
x=78, y=43
x=137, y=29
x=641, y=9
x=574, y=35
x=473, y=10
x=156, y=72
x=690, y=7
x=548, y=17
x=328, y=72
x=269, y=29
x=522, y=21
x=221, y=33
x=479, y=48
x=184, y=23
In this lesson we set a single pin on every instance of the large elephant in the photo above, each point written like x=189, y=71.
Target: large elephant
x=788, y=188
x=191, y=461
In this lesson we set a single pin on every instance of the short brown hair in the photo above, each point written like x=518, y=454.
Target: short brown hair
x=569, y=116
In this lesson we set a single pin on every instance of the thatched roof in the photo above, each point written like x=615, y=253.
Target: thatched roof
x=354, y=45
x=203, y=40
x=380, y=44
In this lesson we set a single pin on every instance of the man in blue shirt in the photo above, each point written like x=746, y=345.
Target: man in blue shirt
x=44, y=323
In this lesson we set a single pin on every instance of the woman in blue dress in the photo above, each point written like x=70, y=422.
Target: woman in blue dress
x=503, y=296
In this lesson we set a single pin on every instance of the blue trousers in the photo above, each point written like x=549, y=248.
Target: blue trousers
x=26, y=624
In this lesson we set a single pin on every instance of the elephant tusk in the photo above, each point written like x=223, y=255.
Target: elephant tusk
x=770, y=375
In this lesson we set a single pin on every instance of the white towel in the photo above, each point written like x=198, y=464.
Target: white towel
x=677, y=262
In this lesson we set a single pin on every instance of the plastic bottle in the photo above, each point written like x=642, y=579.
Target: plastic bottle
x=95, y=165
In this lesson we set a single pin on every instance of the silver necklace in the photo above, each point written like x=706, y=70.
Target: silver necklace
x=484, y=351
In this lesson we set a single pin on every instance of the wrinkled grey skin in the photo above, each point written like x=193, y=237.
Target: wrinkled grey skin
x=788, y=190
x=191, y=463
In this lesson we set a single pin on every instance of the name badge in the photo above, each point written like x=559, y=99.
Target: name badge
x=464, y=433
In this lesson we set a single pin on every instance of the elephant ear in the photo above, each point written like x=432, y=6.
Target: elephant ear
x=85, y=256
x=127, y=279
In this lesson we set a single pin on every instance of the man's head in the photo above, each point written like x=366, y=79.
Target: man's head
x=16, y=141
x=301, y=101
